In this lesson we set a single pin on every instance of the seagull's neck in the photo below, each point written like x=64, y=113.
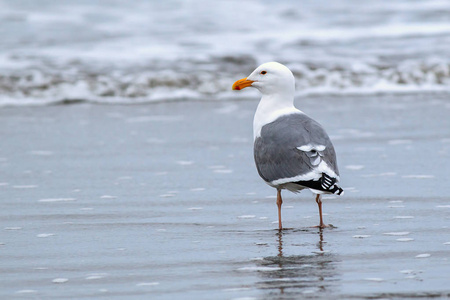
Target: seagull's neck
x=270, y=108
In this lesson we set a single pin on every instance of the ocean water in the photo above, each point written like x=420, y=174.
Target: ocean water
x=163, y=201
x=143, y=51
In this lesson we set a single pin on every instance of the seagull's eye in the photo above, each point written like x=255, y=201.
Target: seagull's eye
x=263, y=72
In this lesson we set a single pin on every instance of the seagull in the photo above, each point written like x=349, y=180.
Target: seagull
x=291, y=150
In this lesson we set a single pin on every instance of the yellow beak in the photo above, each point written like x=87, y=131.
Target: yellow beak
x=242, y=84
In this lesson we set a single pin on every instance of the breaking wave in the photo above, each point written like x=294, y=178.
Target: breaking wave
x=212, y=81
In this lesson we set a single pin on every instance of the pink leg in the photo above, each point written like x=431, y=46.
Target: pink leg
x=279, y=203
x=319, y=203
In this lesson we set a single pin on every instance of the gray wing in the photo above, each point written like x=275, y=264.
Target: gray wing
x=293, y=145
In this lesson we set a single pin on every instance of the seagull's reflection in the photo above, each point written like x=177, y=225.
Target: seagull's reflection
x=297, y=276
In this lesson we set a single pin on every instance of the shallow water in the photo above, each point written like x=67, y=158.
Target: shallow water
x=163, y=201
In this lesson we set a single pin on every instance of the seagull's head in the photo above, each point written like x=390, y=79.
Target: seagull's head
x=269, y=78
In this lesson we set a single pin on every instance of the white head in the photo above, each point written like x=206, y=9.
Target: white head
x=271, y=78
x=277, y=86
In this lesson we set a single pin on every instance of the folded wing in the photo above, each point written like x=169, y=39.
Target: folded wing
x=295, y=148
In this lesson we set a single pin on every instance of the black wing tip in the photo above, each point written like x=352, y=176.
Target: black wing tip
x=337, y=190
x=326, y=184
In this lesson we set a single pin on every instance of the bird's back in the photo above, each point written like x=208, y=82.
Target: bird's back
x=294, y=147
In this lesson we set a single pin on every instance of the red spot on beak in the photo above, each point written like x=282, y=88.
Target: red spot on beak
x=242, y=84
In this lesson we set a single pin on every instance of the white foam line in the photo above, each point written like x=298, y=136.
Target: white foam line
x=95, y=276
x=419, y=176
x=13, y=228
x=60, y=280
x=246, y=217
x=376, y=279
x=57, y=200
x=361, y=236
x=405, y=240
x=167, y=195
x=26, y=291
x=195, y=208
x=45, y=235
x=147, y=284
x=25, y=186
x=423, y=255
x=397, y=233
x=108, y=197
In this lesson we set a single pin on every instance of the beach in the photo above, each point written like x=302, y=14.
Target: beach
x=126, y=159
x=163, y=201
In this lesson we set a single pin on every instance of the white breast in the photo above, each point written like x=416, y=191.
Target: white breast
x=270, y=109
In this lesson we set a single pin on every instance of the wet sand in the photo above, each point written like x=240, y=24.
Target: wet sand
x=162, y=201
